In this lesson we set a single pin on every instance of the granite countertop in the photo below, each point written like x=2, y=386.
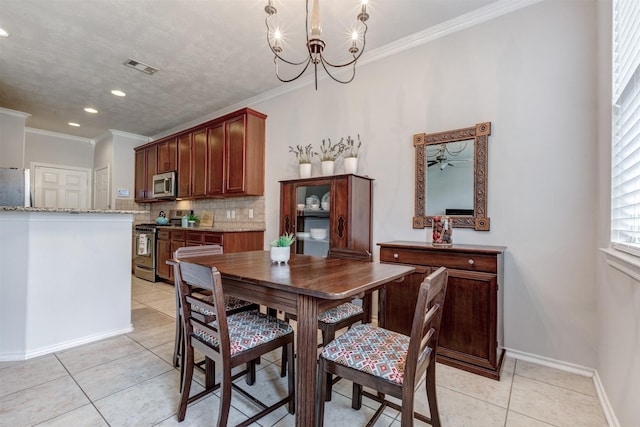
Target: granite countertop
x=73, y=211
x=221, y=227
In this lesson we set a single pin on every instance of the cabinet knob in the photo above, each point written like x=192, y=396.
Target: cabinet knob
x=470, y=261
x=396, y=256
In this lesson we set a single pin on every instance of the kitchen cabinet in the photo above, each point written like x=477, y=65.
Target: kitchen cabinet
x=221, y=158
x=171, y=239
x=167, y=155
x=346, y=220
x=235, y=154
x=198, y=162
x=471, y=333
x=145, y=168
x=184, y=166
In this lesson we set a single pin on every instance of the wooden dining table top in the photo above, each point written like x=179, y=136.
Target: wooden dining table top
x=319, y=277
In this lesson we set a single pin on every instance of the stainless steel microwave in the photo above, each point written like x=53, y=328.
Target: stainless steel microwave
x=164, y=186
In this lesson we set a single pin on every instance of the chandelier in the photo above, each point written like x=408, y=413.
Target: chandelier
x=315, y=44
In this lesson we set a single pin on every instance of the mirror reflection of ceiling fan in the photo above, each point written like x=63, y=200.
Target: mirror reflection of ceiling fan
x=441, y=159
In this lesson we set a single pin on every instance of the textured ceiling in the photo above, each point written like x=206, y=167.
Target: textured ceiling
x=64, y=55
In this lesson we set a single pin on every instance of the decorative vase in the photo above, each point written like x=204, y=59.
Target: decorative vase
x=192, y=224
x=280, y=254
x=350, y=164
x=327, y=167
x=305, y=170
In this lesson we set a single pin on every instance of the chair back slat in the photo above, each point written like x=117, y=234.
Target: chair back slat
x=426, y=324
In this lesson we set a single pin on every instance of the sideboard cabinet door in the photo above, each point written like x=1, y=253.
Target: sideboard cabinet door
x=471, y=332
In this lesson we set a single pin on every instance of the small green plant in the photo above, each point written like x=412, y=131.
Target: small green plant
x=352, y=149
x=330, y=151
x=284, y=241
x=193, y=217
x=303, y=154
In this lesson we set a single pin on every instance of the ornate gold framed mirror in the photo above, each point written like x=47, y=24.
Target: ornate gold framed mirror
x=454, y=195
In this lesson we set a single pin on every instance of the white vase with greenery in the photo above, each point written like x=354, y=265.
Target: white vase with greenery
x=351, y=155
x=304, y=156
x=328, y=154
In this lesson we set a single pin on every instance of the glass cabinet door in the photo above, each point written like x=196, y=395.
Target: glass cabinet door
x=312, y=219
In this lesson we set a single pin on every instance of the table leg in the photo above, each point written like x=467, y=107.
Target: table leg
x=306, y=369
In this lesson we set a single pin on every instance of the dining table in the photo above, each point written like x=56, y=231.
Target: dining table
x=304, y=286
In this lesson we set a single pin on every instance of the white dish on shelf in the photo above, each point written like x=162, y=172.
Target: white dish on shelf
x=325, y=198
x=303, y=235
x=312, y=200
x=318, y=233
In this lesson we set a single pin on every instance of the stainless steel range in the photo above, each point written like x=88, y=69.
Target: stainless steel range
x=144, y=259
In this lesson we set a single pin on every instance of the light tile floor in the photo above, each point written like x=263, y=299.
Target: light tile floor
x=128, y=380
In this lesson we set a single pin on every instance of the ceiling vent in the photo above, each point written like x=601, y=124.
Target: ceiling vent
x=140, y=66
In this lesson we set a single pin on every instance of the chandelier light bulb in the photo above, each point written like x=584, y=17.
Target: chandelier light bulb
x=316, y=28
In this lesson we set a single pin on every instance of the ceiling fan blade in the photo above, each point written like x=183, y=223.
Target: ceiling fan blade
x=431, y=163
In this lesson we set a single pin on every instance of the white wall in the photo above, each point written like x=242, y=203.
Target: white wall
x=618, y=360
x=532, y=74
x=12, y=138
x=123, y=172
x=57, y=149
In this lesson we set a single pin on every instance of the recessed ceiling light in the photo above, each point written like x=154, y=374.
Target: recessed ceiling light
x=4, y=33
x=91, y=110
x=74, y=124
x=118, y=93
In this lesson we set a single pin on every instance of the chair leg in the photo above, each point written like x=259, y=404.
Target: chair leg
x=430, y=383
x=322, y=391
x=250, y=379
x=292, y=377
x=225, y=398
x=356, y=396
x=178, y=341
x=327, y=337
x=187, y=369
x=209, y=373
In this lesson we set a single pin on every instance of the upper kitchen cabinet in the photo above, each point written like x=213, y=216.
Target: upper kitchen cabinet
x=167, y=155
x=146, y=166
x=221, y=158
x=235, y=154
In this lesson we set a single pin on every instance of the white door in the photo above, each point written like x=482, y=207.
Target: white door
x=101, y=199
x=61, y=187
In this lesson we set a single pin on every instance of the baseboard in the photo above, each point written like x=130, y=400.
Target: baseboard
x=609, y=415
x=8, y=357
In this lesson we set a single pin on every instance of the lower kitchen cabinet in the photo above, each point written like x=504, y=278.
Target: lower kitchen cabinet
x=170, y=240
x=471, y=334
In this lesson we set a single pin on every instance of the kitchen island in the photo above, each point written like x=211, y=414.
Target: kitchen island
x=65, y=278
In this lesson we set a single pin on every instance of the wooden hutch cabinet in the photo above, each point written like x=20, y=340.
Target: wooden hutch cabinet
x=471, y=334
x=344, y=211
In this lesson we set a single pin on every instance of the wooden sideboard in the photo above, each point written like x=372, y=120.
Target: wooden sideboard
x=471, y=335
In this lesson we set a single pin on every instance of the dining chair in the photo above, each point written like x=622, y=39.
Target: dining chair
x=232, y=305
x=228, y=340
x=389, y=362
x=342, y=316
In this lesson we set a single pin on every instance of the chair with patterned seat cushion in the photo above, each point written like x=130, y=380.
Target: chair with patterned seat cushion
x=342, y=316
x=232, y=304
x=389, y=362
x=225, y=340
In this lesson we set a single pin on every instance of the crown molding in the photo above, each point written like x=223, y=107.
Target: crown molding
x=491, y=11
x=60, y=135
x=15, y=113
x=143, y=138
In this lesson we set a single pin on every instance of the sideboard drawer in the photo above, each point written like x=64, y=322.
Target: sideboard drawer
x=460, y=261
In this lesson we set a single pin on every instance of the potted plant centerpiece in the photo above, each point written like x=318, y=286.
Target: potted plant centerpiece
x=351, y=155
x=304, y=156
x=329, y=153
x=280, y=251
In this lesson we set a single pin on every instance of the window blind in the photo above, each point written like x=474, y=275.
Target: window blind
x=625, y=166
